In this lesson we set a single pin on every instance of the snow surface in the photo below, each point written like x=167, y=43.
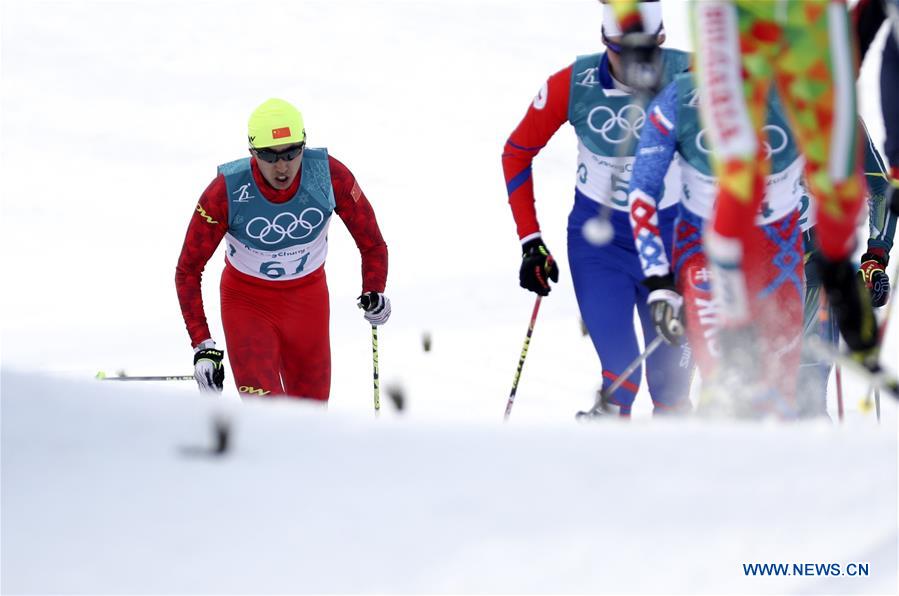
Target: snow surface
x=114, y=116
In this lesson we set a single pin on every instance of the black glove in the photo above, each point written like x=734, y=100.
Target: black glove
x=873, y=274
x=376, y=307
x=641, y=61
x=666, y=308
x=208, y=368
x=537, y=267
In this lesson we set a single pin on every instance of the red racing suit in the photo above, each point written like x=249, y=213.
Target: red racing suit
x=276, y=332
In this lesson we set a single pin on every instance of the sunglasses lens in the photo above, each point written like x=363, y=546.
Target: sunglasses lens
x=292, y=153
x=269, y=156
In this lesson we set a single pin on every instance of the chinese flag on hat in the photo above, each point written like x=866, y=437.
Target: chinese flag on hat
x=281, y=133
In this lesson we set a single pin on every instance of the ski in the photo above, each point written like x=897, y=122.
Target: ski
x=101, y=376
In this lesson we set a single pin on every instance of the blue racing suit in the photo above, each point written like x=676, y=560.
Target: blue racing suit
x=607, y=120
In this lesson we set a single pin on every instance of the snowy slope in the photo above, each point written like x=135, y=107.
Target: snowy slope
x=114, y=116
x=99, y=496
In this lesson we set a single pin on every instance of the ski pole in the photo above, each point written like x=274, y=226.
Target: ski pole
x=877, y=403
x=881, y=332
x=622, y=378
x=374, y=359
x=101, y=376
x=838, y=377
x=875, y=375
x=524, y=353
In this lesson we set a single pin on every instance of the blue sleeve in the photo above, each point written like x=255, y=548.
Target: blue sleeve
x=658, y=140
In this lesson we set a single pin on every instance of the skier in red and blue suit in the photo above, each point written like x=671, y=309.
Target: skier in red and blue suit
x=607, y=118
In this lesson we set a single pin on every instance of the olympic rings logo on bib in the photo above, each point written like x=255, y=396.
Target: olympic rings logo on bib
x=285, y=225
x=617, y=127
x=779, y=147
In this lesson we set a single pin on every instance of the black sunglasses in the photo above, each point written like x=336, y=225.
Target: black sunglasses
x=272, y=156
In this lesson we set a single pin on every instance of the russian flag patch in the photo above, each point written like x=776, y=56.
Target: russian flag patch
x=659, y=120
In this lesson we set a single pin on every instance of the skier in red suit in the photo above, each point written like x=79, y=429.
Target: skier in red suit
x=273, y=209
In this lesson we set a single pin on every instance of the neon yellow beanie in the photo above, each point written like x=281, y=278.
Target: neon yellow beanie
x=275, y=122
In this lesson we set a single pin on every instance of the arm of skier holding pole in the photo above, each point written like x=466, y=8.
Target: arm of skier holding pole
x=358, y=216
x=655, y=152
x=546, y=114
x=207, y=227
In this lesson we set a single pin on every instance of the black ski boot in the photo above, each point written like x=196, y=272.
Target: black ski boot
x=603, y=409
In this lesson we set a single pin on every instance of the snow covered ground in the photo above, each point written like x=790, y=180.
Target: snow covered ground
x=104, y=491
x=114, y=116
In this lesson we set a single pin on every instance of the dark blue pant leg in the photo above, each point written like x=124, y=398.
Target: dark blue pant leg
x=606, y=295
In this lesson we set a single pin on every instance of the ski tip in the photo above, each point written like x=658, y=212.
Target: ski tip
x=100, y=375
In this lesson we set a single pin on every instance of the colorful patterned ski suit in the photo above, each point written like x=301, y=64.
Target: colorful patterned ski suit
x=805, y=49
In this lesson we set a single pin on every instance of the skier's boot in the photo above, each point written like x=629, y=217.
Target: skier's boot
x=603, y=410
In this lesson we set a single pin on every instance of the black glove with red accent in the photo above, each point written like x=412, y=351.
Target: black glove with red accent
x=537, y=267
x=873, y=273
